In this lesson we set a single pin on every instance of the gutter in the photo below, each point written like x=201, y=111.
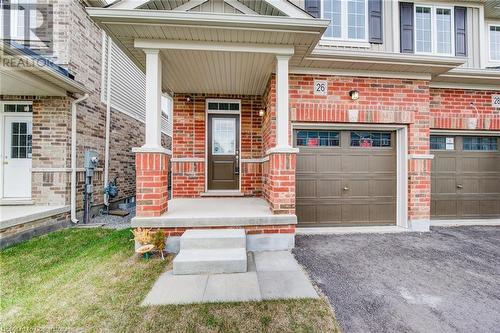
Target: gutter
x=73, y=156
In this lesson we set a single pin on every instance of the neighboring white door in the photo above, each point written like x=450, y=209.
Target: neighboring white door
x=17, y=157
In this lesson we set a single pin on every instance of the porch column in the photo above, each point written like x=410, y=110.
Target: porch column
x=279, y=187
x=153, y=99
x=152, y=160
x=282, y=111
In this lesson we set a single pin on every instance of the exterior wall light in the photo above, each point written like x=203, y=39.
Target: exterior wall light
x=354, y=95
x=262, y=112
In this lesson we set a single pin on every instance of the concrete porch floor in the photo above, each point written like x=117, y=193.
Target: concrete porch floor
x=270, y=275
x=215, y=212
x=19, y=214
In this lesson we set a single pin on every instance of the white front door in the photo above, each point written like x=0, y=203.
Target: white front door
x=17, y=157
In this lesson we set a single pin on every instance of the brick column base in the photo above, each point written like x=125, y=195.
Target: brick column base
x=151, y=183
x=279, y=188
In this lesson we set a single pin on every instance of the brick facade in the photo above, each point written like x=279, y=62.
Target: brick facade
x=151, y=183
x=188, y=158
x=249, y=229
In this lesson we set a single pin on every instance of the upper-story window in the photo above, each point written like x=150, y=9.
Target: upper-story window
x=348, y=19
x=494, y=36
x=434, y=30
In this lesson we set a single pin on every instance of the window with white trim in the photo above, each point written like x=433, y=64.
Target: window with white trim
x=348, y=19
x=434, y=30
x=494, y=36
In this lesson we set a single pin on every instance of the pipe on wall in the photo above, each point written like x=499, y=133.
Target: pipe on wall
x=73, y=156
x=108, y=123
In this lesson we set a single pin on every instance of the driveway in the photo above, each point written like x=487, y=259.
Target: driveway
x=447, y=280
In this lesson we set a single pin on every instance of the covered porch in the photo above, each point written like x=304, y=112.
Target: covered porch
x=230, y=75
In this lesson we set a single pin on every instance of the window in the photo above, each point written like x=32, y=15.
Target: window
x=317, y=139
x=348, y=19
x=434, y=30
x=18, y=108
x=370, y=139
x=223, y=106
x=224, y=136
x=481, y=143
x=495, y=42
x=17, y=16
x=21, y=140
x=438, y=142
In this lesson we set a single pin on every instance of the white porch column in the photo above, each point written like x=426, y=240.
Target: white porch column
x=282, y=111
x=153, y=99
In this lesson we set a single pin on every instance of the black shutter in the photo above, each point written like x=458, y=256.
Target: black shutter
x=375, y=21
x=313, y=7
x=461, y=31
x=406, y=27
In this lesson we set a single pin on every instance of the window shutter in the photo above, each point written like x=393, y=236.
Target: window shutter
x=313, y=7
x=461, y=31
x=375, y=21
x=406, y=27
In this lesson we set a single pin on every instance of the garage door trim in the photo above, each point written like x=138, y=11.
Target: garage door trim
x=401, y=134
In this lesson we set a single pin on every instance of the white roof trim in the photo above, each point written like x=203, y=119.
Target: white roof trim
x=189, y=5
x=241, y=7
x=287, y=8
x=128, y=4
x=210, y=46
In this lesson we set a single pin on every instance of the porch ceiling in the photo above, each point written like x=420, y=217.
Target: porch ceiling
x=208, y=70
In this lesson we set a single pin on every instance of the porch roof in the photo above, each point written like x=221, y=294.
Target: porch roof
x=213, y=53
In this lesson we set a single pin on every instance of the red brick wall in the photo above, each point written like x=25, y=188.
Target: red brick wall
x=249, y=229
x=152, y=183
x=450, y=109
x=387, y=101
x=189, y=142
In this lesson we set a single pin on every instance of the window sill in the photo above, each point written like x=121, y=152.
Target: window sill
x=344, y=43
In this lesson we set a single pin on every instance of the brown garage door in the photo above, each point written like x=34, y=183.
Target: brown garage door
x=465, y=177
x=345, y=178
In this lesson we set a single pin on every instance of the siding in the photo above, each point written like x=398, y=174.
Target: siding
x=128, y=87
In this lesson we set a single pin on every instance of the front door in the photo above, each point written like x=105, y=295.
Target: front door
x=223, y=152
x=17, y=157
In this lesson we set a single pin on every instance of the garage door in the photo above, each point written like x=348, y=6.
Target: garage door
x=345, y=178
x=465, y=177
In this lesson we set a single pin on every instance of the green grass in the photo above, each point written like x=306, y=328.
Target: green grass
x=90, y=280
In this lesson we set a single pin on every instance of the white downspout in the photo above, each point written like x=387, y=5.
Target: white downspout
x=108, y=123
x=73, y=156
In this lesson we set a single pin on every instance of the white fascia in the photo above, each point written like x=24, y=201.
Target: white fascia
x=287, y=8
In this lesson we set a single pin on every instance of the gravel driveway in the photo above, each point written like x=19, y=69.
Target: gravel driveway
x=447, y=280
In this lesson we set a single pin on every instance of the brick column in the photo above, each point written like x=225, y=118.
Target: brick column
x=280, y=183
x=151, y=182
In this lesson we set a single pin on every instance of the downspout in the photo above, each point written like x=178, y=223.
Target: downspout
x=108, y=124
x=73, y=156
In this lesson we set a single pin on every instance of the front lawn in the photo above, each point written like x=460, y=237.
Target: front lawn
x=90, y=280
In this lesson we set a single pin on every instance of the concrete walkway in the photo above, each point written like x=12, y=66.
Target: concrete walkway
x=270, y=275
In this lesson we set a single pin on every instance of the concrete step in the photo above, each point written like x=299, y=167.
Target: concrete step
x=203, y=261
x=213, y=239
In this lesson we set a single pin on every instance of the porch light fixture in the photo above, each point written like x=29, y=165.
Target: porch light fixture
x=354, y=94
x=262, y=112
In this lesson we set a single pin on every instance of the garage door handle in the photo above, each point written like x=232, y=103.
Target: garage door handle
x=346, y=188
x=460, y=186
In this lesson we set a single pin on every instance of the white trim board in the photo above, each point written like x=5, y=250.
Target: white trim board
x=464, y=132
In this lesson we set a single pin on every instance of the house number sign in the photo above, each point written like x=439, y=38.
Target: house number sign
x=320, y=87
x=495, y=101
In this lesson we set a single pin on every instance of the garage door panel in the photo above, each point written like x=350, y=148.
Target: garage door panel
x=470, y=185
x=328, y=164
x=383, y=163
x=356, y=213
x=445, y=164
x=489, y=185
x=470, y=164
x=444, y=185
x=445, y=208
x=306, y=164
x=328, y=188
x=306, y=188
x=383, y=187
x=306, y=213
x=355, y=163
x=469, y=208
x=356, y=188
x=382, y=212
x=489, y=164
x=329, y=213
x=490, y=207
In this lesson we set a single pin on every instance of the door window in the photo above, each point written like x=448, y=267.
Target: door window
x=223, y=136
x=21, y=140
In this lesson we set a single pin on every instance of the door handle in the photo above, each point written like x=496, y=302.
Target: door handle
x=237, y=164
x=460, y=186
x=346, y=188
